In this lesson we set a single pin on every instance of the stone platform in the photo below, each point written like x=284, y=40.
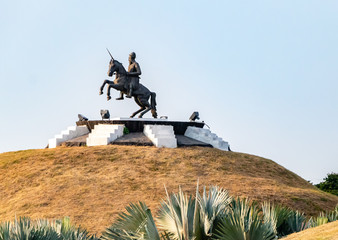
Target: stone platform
x=142, y=132
x=137, y=124
x=138, y=139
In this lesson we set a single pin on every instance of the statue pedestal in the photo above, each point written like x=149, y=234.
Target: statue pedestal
x=146, y=132
x=137, y=124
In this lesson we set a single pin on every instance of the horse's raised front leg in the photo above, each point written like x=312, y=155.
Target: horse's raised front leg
x=108, y=92
x=138, y=111
x=118, y=87
x=104, y=84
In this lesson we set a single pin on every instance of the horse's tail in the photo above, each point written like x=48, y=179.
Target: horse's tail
x=153, y=104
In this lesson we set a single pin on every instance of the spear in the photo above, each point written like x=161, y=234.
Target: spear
x=110, y=54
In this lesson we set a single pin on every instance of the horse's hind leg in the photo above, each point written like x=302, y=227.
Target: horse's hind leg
x=138, y=111
x=145, y=103
x=153, y=104
x=144, y=112
x=138, y=102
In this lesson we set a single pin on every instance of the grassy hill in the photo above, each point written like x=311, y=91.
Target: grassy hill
x=327, y=231
x=92, y=184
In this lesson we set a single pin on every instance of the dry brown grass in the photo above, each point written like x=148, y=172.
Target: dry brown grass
x=324, y=232
x=92, y=184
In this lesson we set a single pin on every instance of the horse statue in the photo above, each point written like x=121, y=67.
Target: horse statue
x=122, y=82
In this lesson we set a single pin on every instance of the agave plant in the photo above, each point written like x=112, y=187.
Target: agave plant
x=333, y=215
x=317, y=221
x=186, y=218
x=212, y=215
x=177, y=216
x=137, y=223
x=26, y=229
x=324, y=218
x=270, y=216
x=277, y=216
x=297, y=222
x=242, y=222
x=5, y=230
x=68, y=231
x=213, y=206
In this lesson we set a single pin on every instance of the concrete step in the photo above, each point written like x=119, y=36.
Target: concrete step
x=206, y=136
x=103, y=134
x=68, y=134
x=161, y=135
x=165, y=142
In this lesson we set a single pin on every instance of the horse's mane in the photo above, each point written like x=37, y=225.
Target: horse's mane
x=117, y=62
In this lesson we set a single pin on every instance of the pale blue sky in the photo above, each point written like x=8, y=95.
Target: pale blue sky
x=262, y=74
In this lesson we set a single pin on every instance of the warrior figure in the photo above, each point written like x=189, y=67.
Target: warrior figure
x=134, y=71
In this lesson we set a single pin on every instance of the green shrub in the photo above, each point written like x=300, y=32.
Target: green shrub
x=125, y=130
x=330, y=184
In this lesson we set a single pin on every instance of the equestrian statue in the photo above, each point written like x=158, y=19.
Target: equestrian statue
x=128, y=83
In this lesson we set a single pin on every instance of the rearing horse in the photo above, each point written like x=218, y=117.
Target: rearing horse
x=141, y=94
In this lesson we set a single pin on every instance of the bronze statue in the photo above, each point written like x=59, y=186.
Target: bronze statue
x=134, y=71
x=128, y=83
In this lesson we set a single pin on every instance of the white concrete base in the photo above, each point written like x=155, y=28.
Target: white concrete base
x=70, y=133
x=161, y=135
x=139, y=119
x=206, y=136
x=103, y=134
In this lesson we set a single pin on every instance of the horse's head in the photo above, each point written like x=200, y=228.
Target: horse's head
x=112, y=67
x=115, y=66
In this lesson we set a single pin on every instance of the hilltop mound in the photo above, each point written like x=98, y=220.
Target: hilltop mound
x=327, y=231
x=92, y=184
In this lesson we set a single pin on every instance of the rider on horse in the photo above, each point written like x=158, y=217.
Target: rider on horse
x=134, y=71
x=128, y=83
